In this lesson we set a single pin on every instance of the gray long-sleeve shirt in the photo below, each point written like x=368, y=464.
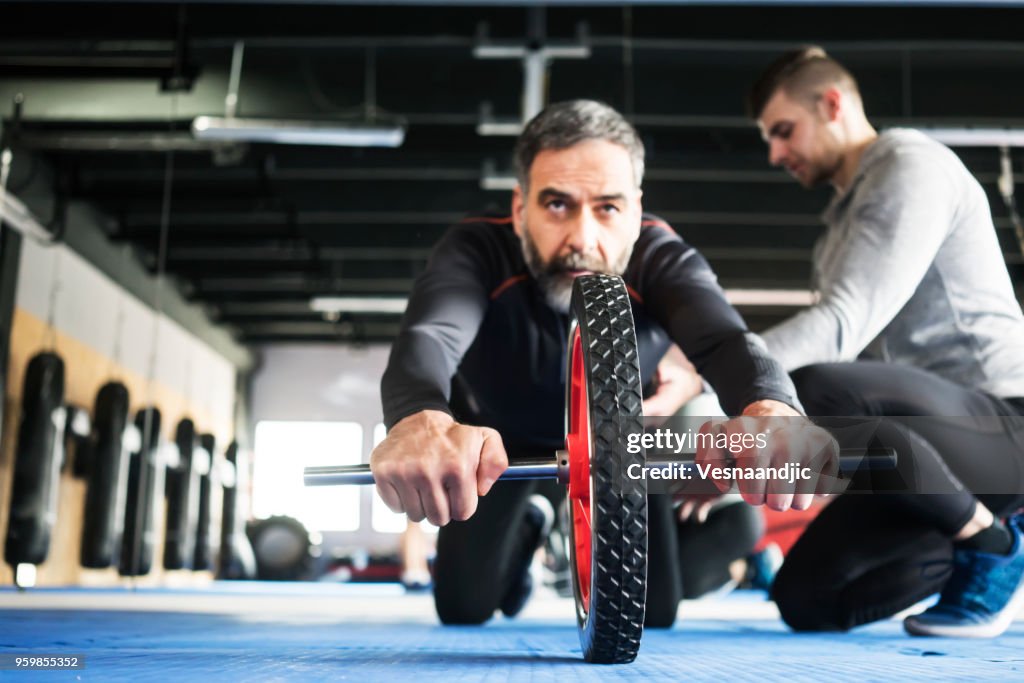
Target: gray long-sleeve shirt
x=910, y=271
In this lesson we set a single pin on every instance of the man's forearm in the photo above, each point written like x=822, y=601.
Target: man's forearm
x=811, y=336
x=417, y=378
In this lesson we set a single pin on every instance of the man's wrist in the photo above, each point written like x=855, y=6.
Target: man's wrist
x=425, y=416
x=770, y=408
x=391, y=421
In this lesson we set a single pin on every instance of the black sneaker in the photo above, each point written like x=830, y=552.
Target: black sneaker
x=539, y=519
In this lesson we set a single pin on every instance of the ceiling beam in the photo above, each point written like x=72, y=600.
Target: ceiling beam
x=290, y=251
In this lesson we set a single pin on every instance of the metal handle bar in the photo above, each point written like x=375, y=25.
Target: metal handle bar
x=850, y=460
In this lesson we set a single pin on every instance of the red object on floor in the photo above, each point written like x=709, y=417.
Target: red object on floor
x=784, y=528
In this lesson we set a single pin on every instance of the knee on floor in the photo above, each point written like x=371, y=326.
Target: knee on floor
x=805, y=609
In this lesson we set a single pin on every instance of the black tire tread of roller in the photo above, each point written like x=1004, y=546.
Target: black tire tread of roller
x=610, y=630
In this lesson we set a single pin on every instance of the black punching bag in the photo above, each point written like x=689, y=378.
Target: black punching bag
x=38, y=459
x=138, y=542
x=103, y=521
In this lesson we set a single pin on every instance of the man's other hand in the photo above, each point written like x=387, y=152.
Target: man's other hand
x=678, y=383
x=771, y=435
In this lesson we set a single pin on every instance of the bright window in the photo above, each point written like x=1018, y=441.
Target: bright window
x=283, y=450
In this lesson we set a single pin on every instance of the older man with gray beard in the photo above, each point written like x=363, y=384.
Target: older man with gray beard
x=477, y=371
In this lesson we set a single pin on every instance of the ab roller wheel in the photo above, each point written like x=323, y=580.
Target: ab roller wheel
x=607, y=510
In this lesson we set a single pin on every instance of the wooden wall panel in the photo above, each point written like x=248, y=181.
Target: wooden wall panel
x=86, y=370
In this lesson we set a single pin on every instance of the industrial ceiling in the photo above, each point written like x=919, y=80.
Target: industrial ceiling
x=256, y=230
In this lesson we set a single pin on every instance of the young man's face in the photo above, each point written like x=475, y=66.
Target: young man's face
x=799, y=138
x=582, y=214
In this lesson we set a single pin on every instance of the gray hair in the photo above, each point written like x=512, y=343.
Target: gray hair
x=564, y=124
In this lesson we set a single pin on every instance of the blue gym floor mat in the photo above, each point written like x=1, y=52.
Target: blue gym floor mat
x=313, y=632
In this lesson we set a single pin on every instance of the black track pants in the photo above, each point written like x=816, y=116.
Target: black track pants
x=868, y=556
x=476, y=559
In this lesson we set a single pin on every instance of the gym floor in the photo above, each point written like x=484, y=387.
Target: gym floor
x=278, y=631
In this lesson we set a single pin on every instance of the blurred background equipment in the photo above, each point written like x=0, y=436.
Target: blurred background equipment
x=284, y=549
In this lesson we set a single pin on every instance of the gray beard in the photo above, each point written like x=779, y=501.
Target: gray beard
x=554, y=280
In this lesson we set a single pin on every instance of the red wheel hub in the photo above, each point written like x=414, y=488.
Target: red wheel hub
x=577, y=443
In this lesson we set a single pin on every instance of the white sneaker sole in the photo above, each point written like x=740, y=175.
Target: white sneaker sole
x=994, y=628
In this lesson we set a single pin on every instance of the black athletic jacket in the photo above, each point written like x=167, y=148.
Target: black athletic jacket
x=479, y=341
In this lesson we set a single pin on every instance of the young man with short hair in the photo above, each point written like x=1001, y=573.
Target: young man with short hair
x=916, y=317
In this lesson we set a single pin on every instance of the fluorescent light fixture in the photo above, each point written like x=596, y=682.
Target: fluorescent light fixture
x=491, y=179
x=358, y=304
x=297, y=132
x=494, y=181
x=506, y=128
x=736, y=297
x=977, y=137
x=770, y=297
